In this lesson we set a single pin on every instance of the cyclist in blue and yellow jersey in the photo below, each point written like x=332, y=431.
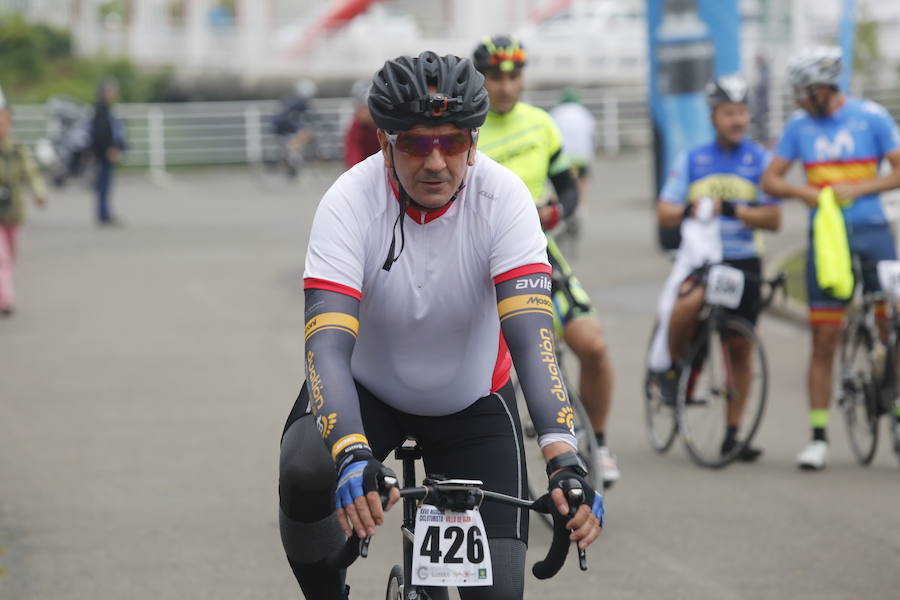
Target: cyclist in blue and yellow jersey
x=841, y=141
x=728, y=171
x=525, y=139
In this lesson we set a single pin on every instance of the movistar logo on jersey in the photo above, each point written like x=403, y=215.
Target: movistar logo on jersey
x=841, y=145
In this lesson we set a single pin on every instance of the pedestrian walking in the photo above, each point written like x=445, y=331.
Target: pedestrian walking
x=17, y=168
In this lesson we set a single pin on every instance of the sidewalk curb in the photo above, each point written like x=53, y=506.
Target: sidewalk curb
x=786, y=308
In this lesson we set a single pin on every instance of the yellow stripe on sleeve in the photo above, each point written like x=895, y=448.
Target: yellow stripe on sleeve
x=331, y=320
x=524, y=303
x=346, y=441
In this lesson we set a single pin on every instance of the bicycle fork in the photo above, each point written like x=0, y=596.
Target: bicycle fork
x=408, y=456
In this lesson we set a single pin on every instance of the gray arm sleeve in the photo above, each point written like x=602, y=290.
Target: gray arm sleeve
x=330, y=334
x=526, y=318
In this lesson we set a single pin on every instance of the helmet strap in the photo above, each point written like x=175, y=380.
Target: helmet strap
x=404, y=200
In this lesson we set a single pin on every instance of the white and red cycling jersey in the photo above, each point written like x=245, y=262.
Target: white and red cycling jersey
x=429, y=339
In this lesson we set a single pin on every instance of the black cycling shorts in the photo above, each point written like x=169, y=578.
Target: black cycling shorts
x=483, y=441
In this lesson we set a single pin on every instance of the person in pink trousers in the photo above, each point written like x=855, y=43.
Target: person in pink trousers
x=17, y=169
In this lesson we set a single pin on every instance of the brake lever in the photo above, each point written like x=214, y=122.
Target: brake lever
x=387, y=483
x=575, y=496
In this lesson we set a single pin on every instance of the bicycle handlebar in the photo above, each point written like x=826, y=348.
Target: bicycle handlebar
x=355, y=547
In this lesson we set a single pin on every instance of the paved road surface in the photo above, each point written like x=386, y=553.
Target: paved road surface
x=145, y=379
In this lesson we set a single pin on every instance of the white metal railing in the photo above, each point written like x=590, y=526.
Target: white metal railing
x=164, y=135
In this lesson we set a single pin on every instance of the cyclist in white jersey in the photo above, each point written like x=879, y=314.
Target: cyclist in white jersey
x=426, y=278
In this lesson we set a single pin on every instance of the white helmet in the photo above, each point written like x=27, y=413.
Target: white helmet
x=305, y=88
x=819, y=66
x=728, y=88
x=360, y=91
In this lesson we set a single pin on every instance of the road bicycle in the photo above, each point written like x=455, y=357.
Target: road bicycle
x=450, y=542
x=868, y=361
x=694, y=403
x=281, y=163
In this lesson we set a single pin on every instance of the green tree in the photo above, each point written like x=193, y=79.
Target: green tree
x=37, y=62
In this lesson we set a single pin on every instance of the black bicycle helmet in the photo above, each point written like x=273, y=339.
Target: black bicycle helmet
x=728, y=88
x=400, y=96
x=501, y=52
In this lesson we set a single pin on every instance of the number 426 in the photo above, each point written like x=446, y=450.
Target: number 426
x=431, y=546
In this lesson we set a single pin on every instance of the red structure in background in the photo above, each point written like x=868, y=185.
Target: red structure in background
x=542, y=14
x=332, y=21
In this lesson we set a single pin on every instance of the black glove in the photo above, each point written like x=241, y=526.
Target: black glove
x=359, y=473
x=567, y=480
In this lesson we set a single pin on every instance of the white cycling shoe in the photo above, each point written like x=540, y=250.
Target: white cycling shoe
x=814, y=457
x=606, y=464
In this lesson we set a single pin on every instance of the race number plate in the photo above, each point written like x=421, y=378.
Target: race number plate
x=725, y=286
x=889, y=278
x=450, y=549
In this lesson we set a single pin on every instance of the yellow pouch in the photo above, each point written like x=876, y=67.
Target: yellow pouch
x=834, y=267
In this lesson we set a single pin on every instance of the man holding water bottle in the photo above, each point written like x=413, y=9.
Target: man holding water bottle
x=726, y=170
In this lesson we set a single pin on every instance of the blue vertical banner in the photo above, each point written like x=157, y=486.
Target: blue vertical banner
x=847, y=38
x=691, y=42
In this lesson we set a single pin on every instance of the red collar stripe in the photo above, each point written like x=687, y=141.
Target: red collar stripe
x=421, y=217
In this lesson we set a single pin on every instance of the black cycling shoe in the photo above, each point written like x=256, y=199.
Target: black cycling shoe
x=668, y=386
x=747, y=454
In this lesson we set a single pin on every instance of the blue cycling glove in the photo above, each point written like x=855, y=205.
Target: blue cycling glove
x=566, y=480
x=359, y=473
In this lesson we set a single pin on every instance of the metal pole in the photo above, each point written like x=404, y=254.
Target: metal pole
x=157, y=142
x=253, y=134
x=611, y=142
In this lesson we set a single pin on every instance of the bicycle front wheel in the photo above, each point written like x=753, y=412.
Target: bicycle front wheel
x=395, y=584
x=859, y=391
x=724, y=380
x=659, y=409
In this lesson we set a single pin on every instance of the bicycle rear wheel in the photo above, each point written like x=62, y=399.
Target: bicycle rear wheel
x=659, y=411
x=709, y=388
x=395, y=584
x=859, y=390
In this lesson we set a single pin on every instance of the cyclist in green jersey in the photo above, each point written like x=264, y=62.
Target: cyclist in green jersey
x=525, y=139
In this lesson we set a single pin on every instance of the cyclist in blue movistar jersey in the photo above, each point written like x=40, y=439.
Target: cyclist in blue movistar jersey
x=841, y=141
x=728, y=170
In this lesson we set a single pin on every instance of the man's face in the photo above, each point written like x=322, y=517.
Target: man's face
x=503, y=88
x=820, y=95
x=731, y=120
x=5, y=123
x=432, y=179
